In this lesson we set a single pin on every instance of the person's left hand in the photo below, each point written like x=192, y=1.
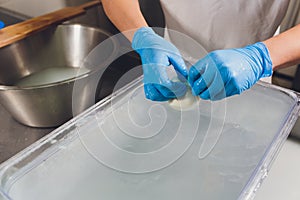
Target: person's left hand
x=224, y=73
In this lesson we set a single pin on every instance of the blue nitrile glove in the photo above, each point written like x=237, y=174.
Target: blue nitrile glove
x=224, y=73
x=2, y=24
x=157, y=54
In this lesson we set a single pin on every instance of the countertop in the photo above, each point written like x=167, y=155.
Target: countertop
x=14, y=136
x=283, y=180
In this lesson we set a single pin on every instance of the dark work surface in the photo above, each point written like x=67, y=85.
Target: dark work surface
x=14, y=136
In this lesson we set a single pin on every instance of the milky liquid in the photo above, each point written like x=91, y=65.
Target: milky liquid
x=51, y=75
x=99, y=164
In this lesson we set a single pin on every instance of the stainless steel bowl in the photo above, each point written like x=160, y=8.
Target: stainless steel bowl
x=50, y=105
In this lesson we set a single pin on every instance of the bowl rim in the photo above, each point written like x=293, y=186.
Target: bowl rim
x=82, y=76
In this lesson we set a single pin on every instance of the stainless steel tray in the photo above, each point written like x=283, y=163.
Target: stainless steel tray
x=126, y=147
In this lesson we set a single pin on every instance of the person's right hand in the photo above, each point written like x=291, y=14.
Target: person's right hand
x=2, y=24
x=223, y=73
x=157, y=54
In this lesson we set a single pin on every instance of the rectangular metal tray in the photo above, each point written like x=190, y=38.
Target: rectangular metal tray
x=126, y=147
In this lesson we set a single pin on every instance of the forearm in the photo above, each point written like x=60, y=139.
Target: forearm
x=125, y=15
x=284, y=48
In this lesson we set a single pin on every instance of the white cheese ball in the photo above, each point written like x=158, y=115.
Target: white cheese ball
x=188, y=102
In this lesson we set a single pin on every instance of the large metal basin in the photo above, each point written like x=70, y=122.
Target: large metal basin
x=65, y=46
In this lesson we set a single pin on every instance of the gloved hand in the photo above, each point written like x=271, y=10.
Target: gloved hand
x=2, y=24
x=224, y=73
x=157, y=54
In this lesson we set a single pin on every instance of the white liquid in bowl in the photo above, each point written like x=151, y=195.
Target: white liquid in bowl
x=51, y=75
